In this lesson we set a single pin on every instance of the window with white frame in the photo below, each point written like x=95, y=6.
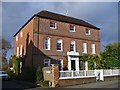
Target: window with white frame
x=59, y=45
x=87, y=32
x=72, y=28
x=53, y=25
x=72, y=46
x=84, y=47
x=21, y=34
x=17, y=51
x=60, y=63
x=47, y=43
x=21, y=49
x=93, y=48
x=46, y=62
x=17, y=38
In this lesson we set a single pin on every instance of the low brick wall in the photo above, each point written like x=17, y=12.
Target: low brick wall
x=76, y=81
x=109, y=78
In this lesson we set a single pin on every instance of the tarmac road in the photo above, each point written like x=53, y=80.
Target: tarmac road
x=104, y=84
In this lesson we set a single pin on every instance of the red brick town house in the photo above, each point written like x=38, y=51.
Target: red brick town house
x=48, y=38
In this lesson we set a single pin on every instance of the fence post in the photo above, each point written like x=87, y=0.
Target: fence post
x=85, y=72
x=72, y=74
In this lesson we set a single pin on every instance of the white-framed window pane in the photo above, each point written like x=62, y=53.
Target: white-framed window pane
x=93, y=48
x=17, y=51
x=47, y=43
x=84, y=47
x=72, y=28
x=87, y=32
x=60, y=63
x=59, y=45
x=72, y=46
x=46, y=62
x=17, y=38
x=21, y=49
x=21, y=34
x=53, y=25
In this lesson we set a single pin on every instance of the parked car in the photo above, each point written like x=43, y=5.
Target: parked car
x=4, y=75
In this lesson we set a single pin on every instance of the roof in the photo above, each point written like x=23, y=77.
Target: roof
x=59, y=17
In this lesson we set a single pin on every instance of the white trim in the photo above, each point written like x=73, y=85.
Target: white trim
x=74, y=28
x=21, y=34
x=16, y=38
x=84, y=47
x=17, y=51
x=74, y=48
x=76, y=77
x=21, y=47
x=60, y=41
x=93, y=48
x=46, y=61
x=48, y=43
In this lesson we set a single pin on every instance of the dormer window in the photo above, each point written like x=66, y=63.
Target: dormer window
x=72, y=28
x=87, y=32
x=53, y=25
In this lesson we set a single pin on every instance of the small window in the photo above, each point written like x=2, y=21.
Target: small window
x=84, y=47
x=72, y=28
x=72, y=46
x=47, y=43
x=21, y=34
x=53, y=25
x=16, y=38
x=87, y=32
x=93, y=48
x=46, y=62
x=59, y=45
x=21, y=49
x=60, y=63
x=17, y=51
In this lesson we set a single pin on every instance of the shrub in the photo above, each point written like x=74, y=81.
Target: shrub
x=39, y=75
x=45, y=83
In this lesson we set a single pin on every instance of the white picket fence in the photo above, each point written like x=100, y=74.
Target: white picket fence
x=87, y=73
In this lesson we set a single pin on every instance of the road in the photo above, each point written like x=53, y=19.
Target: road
x=105, y=84
x=19, y=85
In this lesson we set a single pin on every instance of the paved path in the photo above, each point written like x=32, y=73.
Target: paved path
x=105, y=84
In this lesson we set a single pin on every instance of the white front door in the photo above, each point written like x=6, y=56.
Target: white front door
x=73, y=63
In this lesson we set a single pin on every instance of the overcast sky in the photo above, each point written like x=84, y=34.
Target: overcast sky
x=101, y=14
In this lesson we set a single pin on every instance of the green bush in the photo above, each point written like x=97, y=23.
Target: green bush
x=45, y=83
x=39, y=75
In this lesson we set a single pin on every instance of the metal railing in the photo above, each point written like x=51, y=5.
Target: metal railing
x=87, y=73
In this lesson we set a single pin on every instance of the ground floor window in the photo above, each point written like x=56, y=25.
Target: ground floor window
x=60, y=63
x=46, y=62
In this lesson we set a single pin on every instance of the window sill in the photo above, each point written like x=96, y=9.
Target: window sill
x=59, y=50
x=53, y=28
x=72, y=31
x=46, y=49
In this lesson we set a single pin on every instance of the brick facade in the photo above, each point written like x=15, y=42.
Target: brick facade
x=37, y=28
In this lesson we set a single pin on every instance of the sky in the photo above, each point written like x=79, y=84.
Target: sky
x=101, y=14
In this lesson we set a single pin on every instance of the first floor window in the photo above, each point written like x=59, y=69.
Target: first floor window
x=59, y=45
x=46, y=62
x=21, y=49
x=17, y=51
x=72, y=46
x=17, y=38
x=93, y=48
x=47, y=43
x=60, y=63
x=84, y=47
